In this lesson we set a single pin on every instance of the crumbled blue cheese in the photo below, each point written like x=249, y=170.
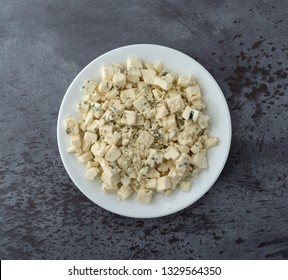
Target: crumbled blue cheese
x=142, y=129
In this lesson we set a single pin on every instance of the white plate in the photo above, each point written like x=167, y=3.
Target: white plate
x=217, y=109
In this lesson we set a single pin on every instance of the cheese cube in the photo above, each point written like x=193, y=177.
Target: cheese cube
x=141, y=104
x=148, y=76
x=113, y=153
x=158, y=67
x=169, y=122
x=71, y=126
x=90, y=137
x=85, y=157
x=196, y=147
x=128, y=94
x=124, y=192
x=110, y=179
x=145, y=138
x=111, y=94
x=99, y=150
x=190, y=114
x=112, y=138
x=89, y=117
x=163, y=82
x=144, y=196
x=185, y=81
x=125, y=180
x=74, y=149
x=185, y=186
x=119, y=80
x=203, y=121
x=104, y=87
x=174, y=173
x=75, y=140
x=108, y=189
x=200, y=159
x=105, y=130
x=171, y=153
x=107, y=73
x=192, y=93
x=88, y=87
x=82, y=108
x=151, y=184
x=153, y=173
x=183, y=162
x=163, y=183
x=134, y=62
x=211, y=141
x=133, y=75
x=175, y=103
x=91, y=173
x=129, y=117
x=161, y=112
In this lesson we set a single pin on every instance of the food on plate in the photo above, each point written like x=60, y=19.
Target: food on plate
x=141, y=129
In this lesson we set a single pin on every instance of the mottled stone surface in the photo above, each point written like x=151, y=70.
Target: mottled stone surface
x=44, y=44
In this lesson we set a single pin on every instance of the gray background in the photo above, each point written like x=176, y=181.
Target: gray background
x=44, y=44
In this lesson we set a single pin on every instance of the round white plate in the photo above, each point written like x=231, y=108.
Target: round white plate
x=220, y=122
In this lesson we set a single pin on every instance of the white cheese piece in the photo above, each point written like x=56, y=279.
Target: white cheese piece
x=85, y=157
x=88, y=87
x=112, y=138
x=169, y=122
x=183, y=162
x=107, y=73
x=75, y=140
x=196, y=147
x=203, y=121
x=161, y=112
x=153, y=173
x=185, y=186
x=145, y=138
x=163, y=167
x=128, y=95
x=163, y=82
x=110, y=179
x=151, y=184
x=119, y=80
x=71, y=126
x=82, y=107
x=108, y=189
x=163, y=183
x=74, y=149
x=129, y=117
x=90, y=137
x=125, y=180
x=199, y=159
x=148, y=76
x=190, y=114
x=97, y=110
x=105, y=130
x=134, y=62
x=175, y=103
x=104, y=87
x=211, y=142
x=185, y=81
x=141, y=104
x=124, y=192
x=111, y=94
x=192, y=93
x=154, y=157
x=144, y=196
x=89, y=117
x=171, y=153
x=158, y=67
x=91, y=173
x=113, y=153
x=133, y=75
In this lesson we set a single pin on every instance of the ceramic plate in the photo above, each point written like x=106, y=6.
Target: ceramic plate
x=220, y=122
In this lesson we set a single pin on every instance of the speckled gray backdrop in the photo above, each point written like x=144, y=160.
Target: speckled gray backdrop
x=44, y=44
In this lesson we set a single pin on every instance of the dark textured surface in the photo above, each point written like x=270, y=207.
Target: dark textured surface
x=42, y=48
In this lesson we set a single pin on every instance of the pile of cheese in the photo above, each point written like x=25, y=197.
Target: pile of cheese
x=141, y=129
